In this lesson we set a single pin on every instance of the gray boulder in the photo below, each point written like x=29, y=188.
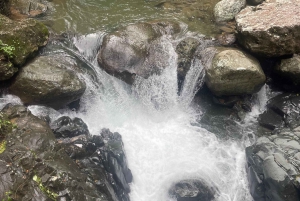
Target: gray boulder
x=137, y=50
x=290, y=69
x=230, y=71
x=269, y=30
x=226, y=10
x=48, y=80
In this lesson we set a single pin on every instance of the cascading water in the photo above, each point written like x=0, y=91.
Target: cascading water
x=162, y=145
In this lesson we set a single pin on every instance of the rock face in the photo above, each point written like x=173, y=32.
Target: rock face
x=192, y=190
x=230, y=71
x=290, y=69
x=48, y=80
x=226, y=10
x=268, y=30
x=36, y=166
x=273, y=161
x=137, y=50
x=23, y=37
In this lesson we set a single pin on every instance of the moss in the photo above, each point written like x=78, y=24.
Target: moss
x=2, y=146
x=7, y=50
x=44, y=189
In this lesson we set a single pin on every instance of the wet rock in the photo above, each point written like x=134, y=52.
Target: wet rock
x=48, y=80
x=226, y=39
x=185, y=50
x=192, y=190
x=39, y=167
x=271, y=120
x=7, y=70
x=137, y=50
x=226, y=10
x=31, y=8
x=268, y=30
x=230, y=71
x=66, y=127
x=5, y=7
x=289, y=69
x=23, y=38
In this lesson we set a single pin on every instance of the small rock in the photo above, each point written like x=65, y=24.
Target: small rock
x=289, y=69
x=226, y=10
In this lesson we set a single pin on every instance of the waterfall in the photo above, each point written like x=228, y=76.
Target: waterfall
x=161, y=143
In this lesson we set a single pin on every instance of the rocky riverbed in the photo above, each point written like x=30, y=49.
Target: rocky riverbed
x=59, y=142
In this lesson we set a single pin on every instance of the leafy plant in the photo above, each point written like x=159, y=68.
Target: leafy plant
x=48, y=192
x=7, y=50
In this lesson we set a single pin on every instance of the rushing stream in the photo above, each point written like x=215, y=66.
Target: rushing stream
x=162, y=143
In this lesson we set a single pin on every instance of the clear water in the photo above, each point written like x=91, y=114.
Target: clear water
x=88, y=16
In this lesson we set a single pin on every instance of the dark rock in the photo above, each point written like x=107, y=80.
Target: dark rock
x=270, y=120
x=192, y=190
x=39, y=167
x=7, y=70
x=23, y=37
x=255, y=2
x=136, y=50
x=66, y=127
x=230, y=71
x=226, y=39
x=185, y=50
x=48, y=80
x=5, y=7
x=289, y=69
x=268, y=30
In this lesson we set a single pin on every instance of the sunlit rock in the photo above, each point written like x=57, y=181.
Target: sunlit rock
x=230, y=71
x=270, y=29
x=226, y=10
x=48, y=80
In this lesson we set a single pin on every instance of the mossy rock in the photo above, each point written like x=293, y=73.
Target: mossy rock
x=24, y=37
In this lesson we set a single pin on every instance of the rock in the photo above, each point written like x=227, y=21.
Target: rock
x=226, y=10
x=230, y=71
x=49, y=81
x=185, y=50
x=268, y=30
x=31, y=8
x=5, y=7
x=192, y=190
x=66, y=127
x=255, y=2
x=7, y=70
x=289, y=69
x=35, y=167
x=226, y=39
x=137, y=50
x=24, y=38
x=273, y=167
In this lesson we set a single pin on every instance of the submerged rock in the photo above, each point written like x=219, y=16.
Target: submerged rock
x=289, y=69
x=48, y=80
x=23, y=38
x=192, y=190
x=31, y=8
x=230, y=71
x=137, y=50
x=269, y=30
x=226, y=10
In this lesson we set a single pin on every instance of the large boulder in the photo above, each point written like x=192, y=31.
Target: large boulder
x=230, y=71
x=137, y=49
x=289, y=69
x=33, y=166
x=269, y=30
x=22, y=39
x=226, y=10
x=48, y=80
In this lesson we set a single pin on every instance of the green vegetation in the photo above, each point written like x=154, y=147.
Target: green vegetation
x=8, y=198
x=7, y=50
x=44, y=189
x=5, y=128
